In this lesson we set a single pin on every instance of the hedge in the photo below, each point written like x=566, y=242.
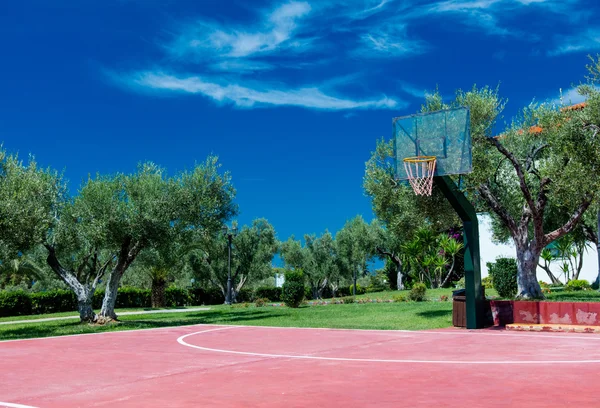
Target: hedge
x=23, y=303
x=273, y=294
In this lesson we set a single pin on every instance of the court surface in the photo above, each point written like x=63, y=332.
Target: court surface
x=245, y=366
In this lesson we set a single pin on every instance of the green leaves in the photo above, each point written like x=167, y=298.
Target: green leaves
x=253, y=250
x=30, y=198
x=147, y=207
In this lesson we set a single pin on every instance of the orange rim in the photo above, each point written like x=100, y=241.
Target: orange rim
x=420, y=159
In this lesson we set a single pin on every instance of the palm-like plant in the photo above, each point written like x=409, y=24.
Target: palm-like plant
x=451, y=248
x=548, y=257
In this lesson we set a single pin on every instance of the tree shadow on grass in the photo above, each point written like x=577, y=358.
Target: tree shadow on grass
x=435, y=313
x=61, y=328
x=46, y=329
x=208, y=317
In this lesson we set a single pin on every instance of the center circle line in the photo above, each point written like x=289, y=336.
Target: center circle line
x=181, y=340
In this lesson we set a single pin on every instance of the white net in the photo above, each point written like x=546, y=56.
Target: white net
x=420, y=171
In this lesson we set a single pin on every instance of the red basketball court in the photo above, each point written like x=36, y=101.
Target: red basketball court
x=245, y=366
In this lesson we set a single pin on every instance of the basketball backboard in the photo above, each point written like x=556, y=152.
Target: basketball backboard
x=444, y=134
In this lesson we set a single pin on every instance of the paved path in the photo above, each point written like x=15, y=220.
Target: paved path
x=49, y=319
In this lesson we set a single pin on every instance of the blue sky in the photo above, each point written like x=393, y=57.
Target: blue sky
x=291, y=95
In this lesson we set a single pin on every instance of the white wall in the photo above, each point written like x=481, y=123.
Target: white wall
x=490, y=251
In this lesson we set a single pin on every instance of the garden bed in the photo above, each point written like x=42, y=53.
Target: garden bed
x=545, y=312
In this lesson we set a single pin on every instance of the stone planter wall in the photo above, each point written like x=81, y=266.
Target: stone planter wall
x=524, y=312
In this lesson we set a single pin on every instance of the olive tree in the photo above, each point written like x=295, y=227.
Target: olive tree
x=114, y=218
x=542, y=161
x=253, y=250
x=356, y=246
x=30, y=198
x=317, y=259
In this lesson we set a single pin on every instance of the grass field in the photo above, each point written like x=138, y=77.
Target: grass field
x=431, y=314
x=65, y=314
x=410, y=316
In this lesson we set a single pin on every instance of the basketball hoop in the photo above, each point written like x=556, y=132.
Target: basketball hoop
x=420, y=170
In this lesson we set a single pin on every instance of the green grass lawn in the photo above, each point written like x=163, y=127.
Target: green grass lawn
x=65, y=314
x=385, y=316
x=432, y=294
x=576, y=296
x=409, y=316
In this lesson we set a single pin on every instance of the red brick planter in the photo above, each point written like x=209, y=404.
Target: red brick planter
x=524, y=312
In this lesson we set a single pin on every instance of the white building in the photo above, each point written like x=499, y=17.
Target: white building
x=490, y=251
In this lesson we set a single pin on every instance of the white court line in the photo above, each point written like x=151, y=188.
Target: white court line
x=11, y=405
x=181, y=341
x=480, y=332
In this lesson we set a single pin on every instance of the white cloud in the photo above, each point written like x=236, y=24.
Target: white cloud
x=584, y=42
x=570, y=97
x=461, y=5
x=478, y=13
x=413, y=90
x=369, y=11
x=246, y=96
x=275, y=29
x=241, y=66
x=485, y=14
x=389, y=41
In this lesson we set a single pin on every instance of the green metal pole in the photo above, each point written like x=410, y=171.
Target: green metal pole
x=466, y=212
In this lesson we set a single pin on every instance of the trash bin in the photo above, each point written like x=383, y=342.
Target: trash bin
x=459, y=308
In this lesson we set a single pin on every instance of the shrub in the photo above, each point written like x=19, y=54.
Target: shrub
x=292, y=292
x=460, y=284
x=128, y=297
x=417, y=293
x=261, y=302
x=97, y=299
x=577, y=284
x=487, y=282
x=210, y=296
x=244, y=295
x=176, y=297
x=398, y=298
x=308, y=294
x=53, y=301
x=504, y=276
x=347, y=299
x=271, y=293
x=376, y=284
x=359, y=289
x=15, y=303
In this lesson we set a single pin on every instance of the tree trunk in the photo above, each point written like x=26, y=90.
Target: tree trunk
x=127, y=255
x=321, y=286
x=399, y=276
x=86, y=312
x=553, y=279
x=597, y=283
x=579, y=261
x=157, y=297
x=334, y=289
x=83, y=293
x=107, y=312
x=528, y=286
